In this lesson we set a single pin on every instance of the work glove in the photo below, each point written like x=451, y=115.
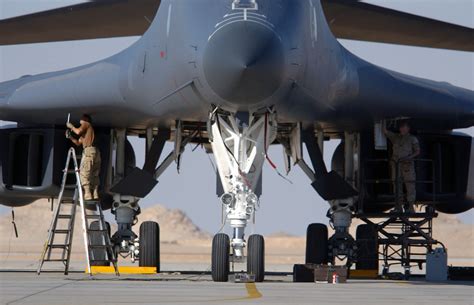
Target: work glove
x=69, y=125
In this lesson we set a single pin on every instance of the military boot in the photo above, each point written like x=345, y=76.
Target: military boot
x=87, y=194
x=96, y=193
x=410, y=208
x=396, y=209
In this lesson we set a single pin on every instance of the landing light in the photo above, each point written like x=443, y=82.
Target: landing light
x=227, y=199
x=252, y=199
x=249, y=209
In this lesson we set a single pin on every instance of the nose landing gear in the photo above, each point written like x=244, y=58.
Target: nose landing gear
x=239, y=143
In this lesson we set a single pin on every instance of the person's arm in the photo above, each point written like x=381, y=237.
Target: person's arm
x=77, y=142
x=390, y=135
x=77, y=131
x=416, y=148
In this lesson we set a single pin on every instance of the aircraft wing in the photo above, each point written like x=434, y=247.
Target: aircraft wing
x=89, y=20
x=351, y=19
x=348, y=19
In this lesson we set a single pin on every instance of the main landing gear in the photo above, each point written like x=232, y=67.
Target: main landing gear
x=239, y=143
x=334, y=187
x=129, y=186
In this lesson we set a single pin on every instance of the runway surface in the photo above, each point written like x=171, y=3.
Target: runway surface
x=77, y=288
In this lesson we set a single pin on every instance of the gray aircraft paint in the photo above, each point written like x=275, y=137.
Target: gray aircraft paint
x=162, y=77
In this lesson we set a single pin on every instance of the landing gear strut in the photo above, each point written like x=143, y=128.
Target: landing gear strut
x=239, y=143
x=337, y=190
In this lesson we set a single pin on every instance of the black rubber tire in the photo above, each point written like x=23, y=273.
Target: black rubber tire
x=96, y=239
x=301, y=274
x=220, y=257
x=256, y=257
x=150, y=245
x=317, y=244
x=367, y=248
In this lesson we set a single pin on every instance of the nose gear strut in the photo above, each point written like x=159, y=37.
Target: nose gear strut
x=239, y=143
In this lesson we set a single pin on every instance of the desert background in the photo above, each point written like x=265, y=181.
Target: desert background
x=184, y=246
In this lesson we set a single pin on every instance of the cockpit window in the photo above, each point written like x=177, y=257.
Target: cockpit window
x=245, y=4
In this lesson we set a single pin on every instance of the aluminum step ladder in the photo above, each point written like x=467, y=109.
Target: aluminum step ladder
x=58, y=246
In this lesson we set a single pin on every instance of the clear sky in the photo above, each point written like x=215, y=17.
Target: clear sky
x=284, y=207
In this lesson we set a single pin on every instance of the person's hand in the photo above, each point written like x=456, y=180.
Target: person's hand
x=68, y=134
x=69, y=125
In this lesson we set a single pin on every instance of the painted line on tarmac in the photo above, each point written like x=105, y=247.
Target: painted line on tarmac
x=252, y=291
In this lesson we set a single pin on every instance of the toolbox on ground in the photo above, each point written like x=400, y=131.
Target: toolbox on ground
x=330, y=274
x=319, y=273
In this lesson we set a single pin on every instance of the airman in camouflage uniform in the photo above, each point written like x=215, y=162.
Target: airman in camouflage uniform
x=90, y=161
x=405, y=147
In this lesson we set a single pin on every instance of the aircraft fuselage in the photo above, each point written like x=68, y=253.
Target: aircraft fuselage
x=240, y=56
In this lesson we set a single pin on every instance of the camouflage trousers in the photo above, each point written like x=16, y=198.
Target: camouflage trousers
x=407, y=177
x=90, y=168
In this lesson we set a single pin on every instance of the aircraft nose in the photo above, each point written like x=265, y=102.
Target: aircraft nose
x=243, y=62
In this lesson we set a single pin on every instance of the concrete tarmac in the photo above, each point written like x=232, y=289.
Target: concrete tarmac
x=77, y=288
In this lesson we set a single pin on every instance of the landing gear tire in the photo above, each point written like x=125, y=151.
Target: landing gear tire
x=301, y=274
x=220, y=257
x=256, y=257
x=317, y=244
x=150, y=245
x=367, y=248
x=96, y=239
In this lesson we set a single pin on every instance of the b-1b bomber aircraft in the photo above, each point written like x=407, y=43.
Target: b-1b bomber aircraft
x=237, y=76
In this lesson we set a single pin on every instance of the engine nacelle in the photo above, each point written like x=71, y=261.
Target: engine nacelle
x=447, y=159
x=30, y=167
x=32, y=162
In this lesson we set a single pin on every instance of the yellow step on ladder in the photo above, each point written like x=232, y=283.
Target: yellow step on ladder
x=97, y=244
